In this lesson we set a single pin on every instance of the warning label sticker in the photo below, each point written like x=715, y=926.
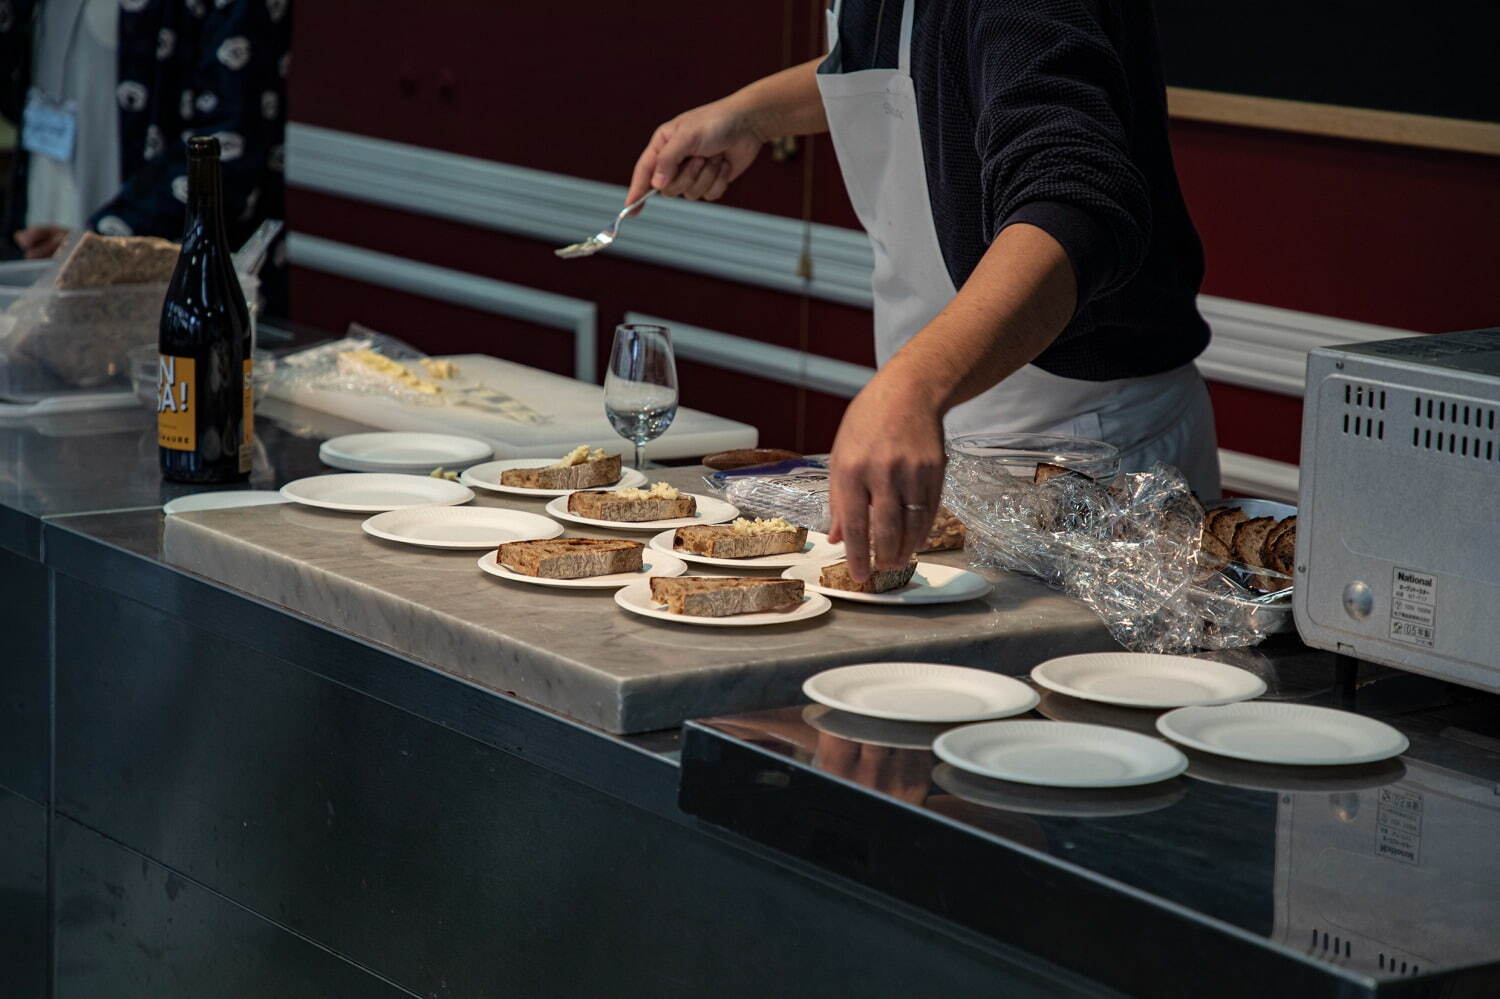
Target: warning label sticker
x=1398, y=825
x=1414, y=607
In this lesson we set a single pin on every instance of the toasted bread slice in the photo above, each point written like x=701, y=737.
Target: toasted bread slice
x=723, y=541
x=722, y=596
x=1282, y=554
x=1248, y=537
x=1046, y=470
x=571, y=558
x=1268, y=546
x=1212, y=557
x=836, y=577
x=600, y=505
x=1222, y=521
x=584, y=475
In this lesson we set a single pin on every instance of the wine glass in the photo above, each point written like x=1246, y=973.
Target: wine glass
x=640, y=388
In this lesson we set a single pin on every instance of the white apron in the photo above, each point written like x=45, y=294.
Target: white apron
x=872, y=118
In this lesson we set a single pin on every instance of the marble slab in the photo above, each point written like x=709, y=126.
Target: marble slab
x=574, y=651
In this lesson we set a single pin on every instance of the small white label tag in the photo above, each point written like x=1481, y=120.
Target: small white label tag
x=49, y=127
x=1413, y=607
x=1398, y=825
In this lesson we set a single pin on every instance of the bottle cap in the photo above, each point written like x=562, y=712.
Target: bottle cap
x=202, y=147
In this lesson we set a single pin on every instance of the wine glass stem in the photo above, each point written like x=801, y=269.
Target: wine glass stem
x=640, y=456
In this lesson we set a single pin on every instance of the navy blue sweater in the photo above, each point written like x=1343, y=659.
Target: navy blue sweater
x=1053, y=112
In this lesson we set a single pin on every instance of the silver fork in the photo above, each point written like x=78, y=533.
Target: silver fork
x=604, y=237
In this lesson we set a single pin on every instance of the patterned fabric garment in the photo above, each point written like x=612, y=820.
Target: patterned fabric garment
x=186, y=68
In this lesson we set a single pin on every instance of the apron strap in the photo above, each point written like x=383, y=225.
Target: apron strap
x=833, y=24
x=908, y=10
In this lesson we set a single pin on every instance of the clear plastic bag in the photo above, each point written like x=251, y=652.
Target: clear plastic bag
x=1129, y=550
x=344, y=366
x=796, y=490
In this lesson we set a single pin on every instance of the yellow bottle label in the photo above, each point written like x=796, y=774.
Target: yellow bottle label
x=247, y=442
x=176, y=402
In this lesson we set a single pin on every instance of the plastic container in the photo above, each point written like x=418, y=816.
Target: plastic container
x=1019, y=454
x=55, y=344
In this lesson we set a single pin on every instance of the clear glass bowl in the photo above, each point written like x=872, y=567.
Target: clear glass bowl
x=1019, y=454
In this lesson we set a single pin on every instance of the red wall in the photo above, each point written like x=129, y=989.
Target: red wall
x=1390, y=235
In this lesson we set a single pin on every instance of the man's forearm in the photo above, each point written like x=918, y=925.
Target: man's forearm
x=1014, y=304
x=784, y=103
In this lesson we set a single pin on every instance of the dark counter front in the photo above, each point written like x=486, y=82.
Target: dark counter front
x=1235, y=879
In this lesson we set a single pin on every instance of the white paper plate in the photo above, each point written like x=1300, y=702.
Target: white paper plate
x=487, y=476
x=652, y=564
x=459, y=526
x=1143, y=680
x=1059, y=754
x=871, y=731
x=225, y=499
x=930, y=584
x=710, y=511
x=1094, y=803
x=817, y=549
x=1272, y=732
x=636, y=598
x=372, y=492
x=920, y=692
x=399, y=451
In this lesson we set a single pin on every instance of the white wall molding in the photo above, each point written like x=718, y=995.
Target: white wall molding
x=459, y=287
x=1263, y=347
x=763, y=360
x=753, y=247
x=1256, y=346
x=1256, y=476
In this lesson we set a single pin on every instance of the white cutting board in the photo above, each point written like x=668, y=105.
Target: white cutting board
x=576, y=409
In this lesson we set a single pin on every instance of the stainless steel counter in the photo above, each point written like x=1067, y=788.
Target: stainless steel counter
x=201, y=790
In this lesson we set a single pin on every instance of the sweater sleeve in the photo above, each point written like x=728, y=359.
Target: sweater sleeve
x=1051, y=101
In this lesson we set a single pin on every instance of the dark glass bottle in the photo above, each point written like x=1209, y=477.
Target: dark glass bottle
x=204, y=420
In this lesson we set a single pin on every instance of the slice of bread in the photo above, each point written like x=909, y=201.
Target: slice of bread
x=571, y=558
x=1212, y=557
x=103, y=261
x=837, y=577
x=600, y=505
x=1248, y=537
x=723, y=541
x=1282, y=553
x=584, y=475
x=1222, y=521
x=947, y=533
x=1046, y=470
x=722, y=596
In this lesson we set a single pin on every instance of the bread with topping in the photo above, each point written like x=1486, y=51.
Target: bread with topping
x=724, y=596
x=633, y=506
x=587, y=474
x=741, y=539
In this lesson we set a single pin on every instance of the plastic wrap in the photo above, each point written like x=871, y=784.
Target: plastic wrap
x=796, y=490
x=56, y=340
x=326, y=367
x=1129, y=550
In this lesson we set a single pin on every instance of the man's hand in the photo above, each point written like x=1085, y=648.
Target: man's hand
x=886, y=475
x=697, y=154
x=41, y=241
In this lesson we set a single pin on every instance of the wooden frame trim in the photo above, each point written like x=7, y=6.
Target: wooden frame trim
x=1455, y=134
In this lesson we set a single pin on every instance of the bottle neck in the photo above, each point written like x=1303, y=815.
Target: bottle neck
x=205, y=206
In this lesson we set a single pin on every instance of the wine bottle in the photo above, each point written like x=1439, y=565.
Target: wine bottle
x=204, y=411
